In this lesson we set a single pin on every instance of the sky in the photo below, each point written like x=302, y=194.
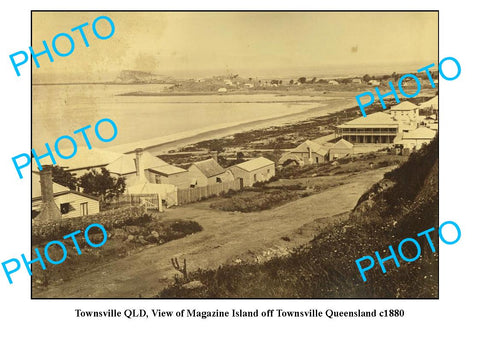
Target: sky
x=198, y=44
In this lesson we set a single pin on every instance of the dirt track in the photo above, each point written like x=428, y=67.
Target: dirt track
x=227, y=236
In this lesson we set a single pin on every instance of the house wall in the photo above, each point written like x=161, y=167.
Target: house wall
x=195, y=173
x=75, y=201
x=405, y=116
x=415, y=143
x=339, y=153
x=366, y=135
x=181, y=180
x=226, y=177
x=303, y=156
x=257, y=175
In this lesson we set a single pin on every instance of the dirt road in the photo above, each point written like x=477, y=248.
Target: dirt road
x=227, y=236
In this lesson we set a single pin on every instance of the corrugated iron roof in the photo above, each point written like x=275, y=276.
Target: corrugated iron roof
x=254, y=164
x=432, y=102
x=209, y=167
x=342, y=144
x=377, y=119
x=84, y=158
x=315, y=147
x=420, y=133
x=404, y=106
x=126, y=164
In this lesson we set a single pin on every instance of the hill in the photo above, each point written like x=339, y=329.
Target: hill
x=140, y=77
x=401, y=205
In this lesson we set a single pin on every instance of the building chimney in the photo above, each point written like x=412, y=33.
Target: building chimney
x=138, y=162
x=49, y=210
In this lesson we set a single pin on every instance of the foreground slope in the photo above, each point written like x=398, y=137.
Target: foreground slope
x=401, y=205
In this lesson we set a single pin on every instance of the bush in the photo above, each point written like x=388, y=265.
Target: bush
x=115, y=218
x=326, y=267
x=256, y=202
x=186, y=227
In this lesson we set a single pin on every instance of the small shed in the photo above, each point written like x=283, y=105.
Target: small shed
x=208, y=172
x=416, y=139
x=255, y=170
x=308, y=152
x=340, y=149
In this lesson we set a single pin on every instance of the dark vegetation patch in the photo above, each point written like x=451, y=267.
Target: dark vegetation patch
x=326, y=267
x=124, y=239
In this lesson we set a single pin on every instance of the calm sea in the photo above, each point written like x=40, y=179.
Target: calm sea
x=61, y=109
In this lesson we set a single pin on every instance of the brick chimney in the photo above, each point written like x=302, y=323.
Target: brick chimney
x=49, y=210
x=138, y=162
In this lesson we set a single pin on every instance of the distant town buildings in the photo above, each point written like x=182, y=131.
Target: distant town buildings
x=384, y=127
x=378, y=127
x=407, y=114
x=400, y=126
x=416, y=139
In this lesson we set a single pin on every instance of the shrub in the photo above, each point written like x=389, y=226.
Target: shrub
x=186, y=227
x=256, y=202
x=115, y=218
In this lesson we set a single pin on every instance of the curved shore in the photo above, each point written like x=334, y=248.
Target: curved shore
x=163, y=144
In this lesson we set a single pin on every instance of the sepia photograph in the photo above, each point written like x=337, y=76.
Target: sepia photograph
x=234, y=154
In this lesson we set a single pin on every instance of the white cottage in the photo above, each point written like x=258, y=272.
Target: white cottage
x=259, y=169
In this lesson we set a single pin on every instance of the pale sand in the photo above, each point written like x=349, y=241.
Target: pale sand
x=160, y=145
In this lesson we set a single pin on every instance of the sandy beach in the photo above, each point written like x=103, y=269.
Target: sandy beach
x=161, y=145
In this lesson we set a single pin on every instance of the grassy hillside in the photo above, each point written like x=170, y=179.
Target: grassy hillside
x=403, y=204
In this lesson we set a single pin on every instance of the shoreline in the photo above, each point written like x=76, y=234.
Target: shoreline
x=161, y=145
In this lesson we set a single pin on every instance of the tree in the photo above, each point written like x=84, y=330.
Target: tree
x=366, y=78
x=277, y=153
x=65, y=178
x=102, y=184
x=302, y=80
x=240, y=156
x=291, y=81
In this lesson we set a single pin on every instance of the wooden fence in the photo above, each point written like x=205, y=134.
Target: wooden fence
x=150, y=201
x=196, y=194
